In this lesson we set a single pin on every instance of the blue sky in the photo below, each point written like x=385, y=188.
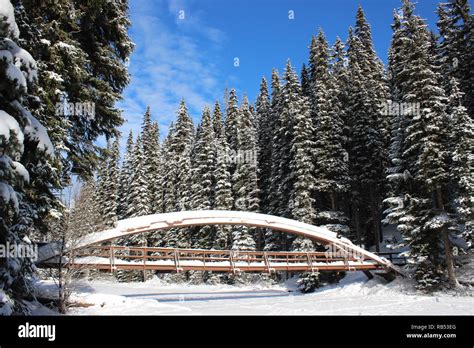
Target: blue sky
x=193, y=58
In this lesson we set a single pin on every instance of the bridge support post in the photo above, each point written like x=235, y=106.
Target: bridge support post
x=267, y=263
x=176, y=261
x=113, y=269
x=368, y=274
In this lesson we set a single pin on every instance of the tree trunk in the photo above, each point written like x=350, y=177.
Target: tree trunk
x=448, y=252
x=375, y=217
x=357, y=224
x=333, y=201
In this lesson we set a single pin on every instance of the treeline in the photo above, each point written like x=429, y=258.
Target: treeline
x=66, y=51
x=350, y=145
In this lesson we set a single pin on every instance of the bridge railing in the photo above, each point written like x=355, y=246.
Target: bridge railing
x=112, y=257
x=394, y=257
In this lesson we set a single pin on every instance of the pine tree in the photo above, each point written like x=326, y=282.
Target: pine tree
x=148, y=154
x=339, y=70
x=27, y=162
x=265, y=129
x=367, y=145
x=179, y=182
x=168, y=173
x=154, y=159
x=456, y=29
x=283, y=137
x=62, y=63
x=331, y=170
x=231, y=122
x=305, y=81
x=273, y=238
x=203, y=170
x=245, y=185
x=462, y=166
x=302, y=166
x=152, y=156
x=421, y=210
x=138, y=194
x=81, y=51
x=296, y=107
x=137, y=205
x=103, y=36
x=111, y=186
x=125, y=178
x=223, y=185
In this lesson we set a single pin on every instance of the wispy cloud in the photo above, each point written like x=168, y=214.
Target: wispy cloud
x=172, y=60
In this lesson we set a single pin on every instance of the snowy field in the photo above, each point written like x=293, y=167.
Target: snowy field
x=354, y=295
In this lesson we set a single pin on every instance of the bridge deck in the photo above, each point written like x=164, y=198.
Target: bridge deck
x=113, y=258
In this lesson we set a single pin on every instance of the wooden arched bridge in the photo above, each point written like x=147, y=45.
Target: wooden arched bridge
x=90, y=251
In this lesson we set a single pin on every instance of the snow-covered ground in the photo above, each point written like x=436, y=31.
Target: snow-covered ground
x=354, y=295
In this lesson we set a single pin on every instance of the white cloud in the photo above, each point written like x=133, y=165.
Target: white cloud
x=173, y=59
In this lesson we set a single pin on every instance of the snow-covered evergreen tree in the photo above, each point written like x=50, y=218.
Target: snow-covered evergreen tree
x=421, y=210
x=273, y=238
x=125, y=178
x=331, y=168
x=138, y=199
x=456, y=29
x=26, y=155
x=203, y=180
x=245, y=178
x=305, y=81
x=367, y=144
x=109, y=185
x=302, y=166
x=223, y=185
x=462, y=165
x=282, y=141
x=231, y=122
x=178, y=183
x=265, y=130
x=81, y=51
x=154, y=170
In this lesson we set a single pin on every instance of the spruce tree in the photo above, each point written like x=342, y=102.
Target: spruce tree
x=273, y=238
x=179, y=183
x=331, y=170
x=27, y=162
x=223, y=186
x=125, y=178
x=231, y=122
x=456, y=29
x=138, y=200
x=203, y=180
x=367, y=145
x=421, y=209
x=81, y=51
x=265, y=129
x=111, y=186
x=302, y=166
x=462, y=165
x=245, y=186
x=154, y=159
x=305, y=81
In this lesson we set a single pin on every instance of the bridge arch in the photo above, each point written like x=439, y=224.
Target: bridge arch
x=156, y=222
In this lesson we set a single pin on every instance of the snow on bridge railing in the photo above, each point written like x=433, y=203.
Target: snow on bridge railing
x=155, y=222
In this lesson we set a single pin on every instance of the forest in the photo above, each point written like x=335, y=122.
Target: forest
x=345, y=142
